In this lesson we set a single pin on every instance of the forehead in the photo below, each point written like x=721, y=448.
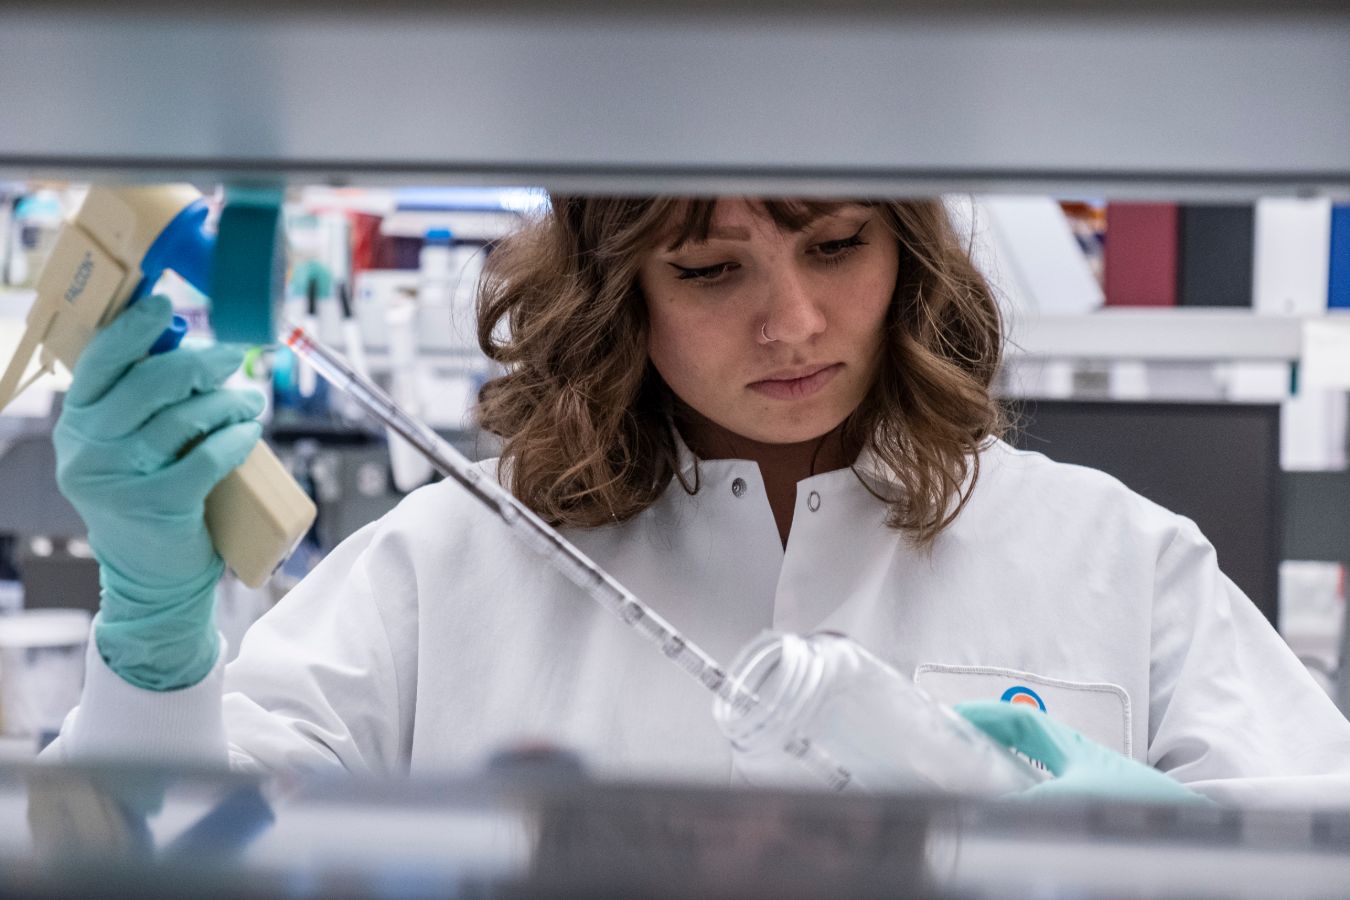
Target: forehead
x=697, y=219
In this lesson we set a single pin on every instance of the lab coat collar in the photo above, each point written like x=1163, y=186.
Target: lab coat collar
x=874, y=473
x=685, y=460
x=868, y=464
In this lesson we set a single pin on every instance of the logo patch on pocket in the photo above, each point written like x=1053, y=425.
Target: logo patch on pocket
x=1019, y=695
x=1099, y=710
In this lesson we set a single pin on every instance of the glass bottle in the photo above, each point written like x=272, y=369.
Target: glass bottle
x=827, y=708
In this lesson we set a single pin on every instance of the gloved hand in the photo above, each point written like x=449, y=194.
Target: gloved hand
x=1081, y=767
x=119, y=460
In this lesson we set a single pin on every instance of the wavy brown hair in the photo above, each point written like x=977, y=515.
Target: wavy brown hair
x=586, y=420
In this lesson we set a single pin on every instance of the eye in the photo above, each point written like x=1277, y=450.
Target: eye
x=834, y=251
x=705, y=274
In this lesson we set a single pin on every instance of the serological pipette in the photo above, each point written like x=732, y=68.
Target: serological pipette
x=523, y=522
x=578, y=568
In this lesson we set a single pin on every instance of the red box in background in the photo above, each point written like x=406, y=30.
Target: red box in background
x=1141, y=254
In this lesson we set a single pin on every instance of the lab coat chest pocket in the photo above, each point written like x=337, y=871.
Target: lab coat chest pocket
x=1099, y=711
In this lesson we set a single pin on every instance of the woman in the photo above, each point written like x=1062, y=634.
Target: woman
x=754, y=415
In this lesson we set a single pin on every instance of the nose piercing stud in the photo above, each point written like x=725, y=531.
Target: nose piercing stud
x=764, y=333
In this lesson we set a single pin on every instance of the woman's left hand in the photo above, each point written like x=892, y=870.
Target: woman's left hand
x=1082, y=768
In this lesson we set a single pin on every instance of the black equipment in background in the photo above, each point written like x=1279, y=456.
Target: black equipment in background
x=1215, y=463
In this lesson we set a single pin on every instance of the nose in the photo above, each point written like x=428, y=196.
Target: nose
x=793, y=314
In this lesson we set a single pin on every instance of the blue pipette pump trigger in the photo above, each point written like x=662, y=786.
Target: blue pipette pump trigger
x=170, y=337
x=186, y=246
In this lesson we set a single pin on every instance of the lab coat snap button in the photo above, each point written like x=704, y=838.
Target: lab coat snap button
x=813, y=501
x=738, y=487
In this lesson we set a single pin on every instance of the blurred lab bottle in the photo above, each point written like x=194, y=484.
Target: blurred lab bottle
x=410, y=469
x=436, y=282
x=37, y=222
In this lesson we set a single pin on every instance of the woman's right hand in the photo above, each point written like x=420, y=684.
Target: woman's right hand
x=120, y=459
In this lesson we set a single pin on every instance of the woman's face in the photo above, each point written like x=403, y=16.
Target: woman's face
x=819, y=295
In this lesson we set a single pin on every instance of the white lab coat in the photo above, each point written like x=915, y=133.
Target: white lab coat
x=430, y=638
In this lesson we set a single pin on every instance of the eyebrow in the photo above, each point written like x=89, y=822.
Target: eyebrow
x=729, y=234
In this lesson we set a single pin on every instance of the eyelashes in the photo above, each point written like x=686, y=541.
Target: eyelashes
x=832, y=252
x=706, y=273
x=829, y=253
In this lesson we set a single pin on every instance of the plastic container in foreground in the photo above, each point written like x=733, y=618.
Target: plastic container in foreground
x=824, y=693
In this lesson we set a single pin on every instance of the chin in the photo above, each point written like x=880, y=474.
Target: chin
x=793, y=432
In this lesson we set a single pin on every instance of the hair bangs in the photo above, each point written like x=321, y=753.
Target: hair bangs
x=693, y=222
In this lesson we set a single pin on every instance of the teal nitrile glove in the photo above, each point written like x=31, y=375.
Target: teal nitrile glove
x=1081, y=767
x=119, y=460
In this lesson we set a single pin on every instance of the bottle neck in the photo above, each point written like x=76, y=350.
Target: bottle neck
x=785, y=672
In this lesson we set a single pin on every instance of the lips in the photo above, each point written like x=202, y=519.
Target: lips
x=798, y=383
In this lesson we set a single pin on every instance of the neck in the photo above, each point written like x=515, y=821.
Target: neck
x=800, y=460
x=780, y=465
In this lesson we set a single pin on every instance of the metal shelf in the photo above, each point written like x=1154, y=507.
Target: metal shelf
x=1200, y=100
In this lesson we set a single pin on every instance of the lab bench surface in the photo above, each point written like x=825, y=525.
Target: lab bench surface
x=135, y=831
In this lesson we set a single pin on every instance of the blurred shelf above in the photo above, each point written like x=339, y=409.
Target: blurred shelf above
x=1196, y=100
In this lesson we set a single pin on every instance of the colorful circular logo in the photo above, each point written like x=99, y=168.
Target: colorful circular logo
x=1023, y=696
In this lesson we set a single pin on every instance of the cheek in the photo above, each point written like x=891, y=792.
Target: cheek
x=663, y=346
x=875, y=289
x=672, y=345
x=693, y=354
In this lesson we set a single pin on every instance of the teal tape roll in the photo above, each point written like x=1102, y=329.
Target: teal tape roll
x=248, y=273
